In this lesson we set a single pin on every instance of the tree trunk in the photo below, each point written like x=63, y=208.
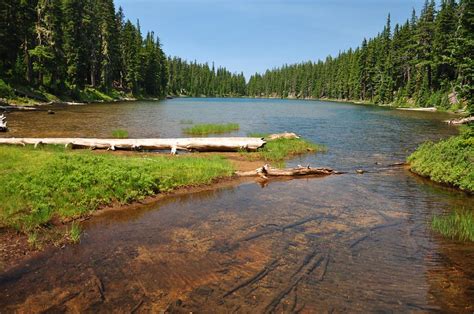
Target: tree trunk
x=267, y=171
x=230, y=144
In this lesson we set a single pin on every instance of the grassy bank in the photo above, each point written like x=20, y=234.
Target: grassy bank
x=206, y=129
x=457, y=225
x=37, y=186
x=280, y=149
x=450, y=161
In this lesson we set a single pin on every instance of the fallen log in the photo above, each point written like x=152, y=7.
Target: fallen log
x=268, y=171
x=3, y=123
x=221, y=144
x=460, y=121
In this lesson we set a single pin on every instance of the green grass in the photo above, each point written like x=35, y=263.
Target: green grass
x=39, y=185
x=206, y=129
x=119, y=133
x=450, y=161
x=281, y=149
x=90, y=94
x=457, y=225
x=75, y=233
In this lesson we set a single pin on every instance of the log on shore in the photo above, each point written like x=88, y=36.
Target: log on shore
x=3, y=123
x=460, y=121
x=219, y=144
x=268, y=171
x=286, y=135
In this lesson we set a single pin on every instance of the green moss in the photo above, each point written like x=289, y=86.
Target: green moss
x=38, y=185
x=205, y=129
x=450, y=161
x=457, y=225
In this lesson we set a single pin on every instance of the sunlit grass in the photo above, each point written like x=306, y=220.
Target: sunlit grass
x=119, y=133
x=37, y=185
x=281, y=149
x=206, y=129
x=457, y=225
x=450, y=161
x=75, y=233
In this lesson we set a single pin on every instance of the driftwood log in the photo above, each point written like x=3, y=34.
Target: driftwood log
x=460, y=121
x=220, y=144
x=285, y=135
x=268, y=171
x=3, y=123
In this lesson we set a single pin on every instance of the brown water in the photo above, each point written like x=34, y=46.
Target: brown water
x=342, y=243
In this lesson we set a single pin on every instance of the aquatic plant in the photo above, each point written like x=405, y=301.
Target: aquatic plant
x=119, y=133
x=75, y=233
x=458, y=225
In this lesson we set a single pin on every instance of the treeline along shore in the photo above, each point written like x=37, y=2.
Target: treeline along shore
x=86, y=50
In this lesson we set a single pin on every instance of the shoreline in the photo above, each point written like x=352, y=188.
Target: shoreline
x=14, y=244
x=35, y=106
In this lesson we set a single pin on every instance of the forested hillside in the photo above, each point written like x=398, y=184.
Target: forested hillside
x=427, y=61
x=194, y=79
x=85, y=49
x=76, y=48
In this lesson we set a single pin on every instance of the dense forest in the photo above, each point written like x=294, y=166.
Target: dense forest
x=69, y=47
x=194, y=79
x=75, y=47
x=427, y=61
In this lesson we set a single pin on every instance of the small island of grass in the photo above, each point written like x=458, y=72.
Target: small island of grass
x=208, y=128
x=279, y=149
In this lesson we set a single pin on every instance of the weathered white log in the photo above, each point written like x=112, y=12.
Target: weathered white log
x=460, y=121
x=268, y=171
x=219, y=144
x=3, y=123
x=285, y=135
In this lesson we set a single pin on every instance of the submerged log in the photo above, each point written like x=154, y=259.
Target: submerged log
x=220, y=144
x=268, y=171
x=3, y=123
x=460, y=121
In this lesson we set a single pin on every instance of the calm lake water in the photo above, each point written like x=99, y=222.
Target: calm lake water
x=343, y=243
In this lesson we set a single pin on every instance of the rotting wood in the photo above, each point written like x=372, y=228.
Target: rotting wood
x=3, y=123
x=460, y=121
x=267, y=171
x=223, y=144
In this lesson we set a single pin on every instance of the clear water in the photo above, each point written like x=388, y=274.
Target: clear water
x=352, y=242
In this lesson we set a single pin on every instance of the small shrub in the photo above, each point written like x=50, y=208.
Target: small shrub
x=5, y=90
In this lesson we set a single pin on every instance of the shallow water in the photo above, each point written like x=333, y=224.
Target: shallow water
x=342, y=243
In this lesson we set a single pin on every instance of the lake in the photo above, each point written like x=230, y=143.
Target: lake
x=342, y=243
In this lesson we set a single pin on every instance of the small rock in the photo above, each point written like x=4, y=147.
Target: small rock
x=51, y=112
x=360, y=171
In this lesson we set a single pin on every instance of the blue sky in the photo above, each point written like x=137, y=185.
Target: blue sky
x=255, y=35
